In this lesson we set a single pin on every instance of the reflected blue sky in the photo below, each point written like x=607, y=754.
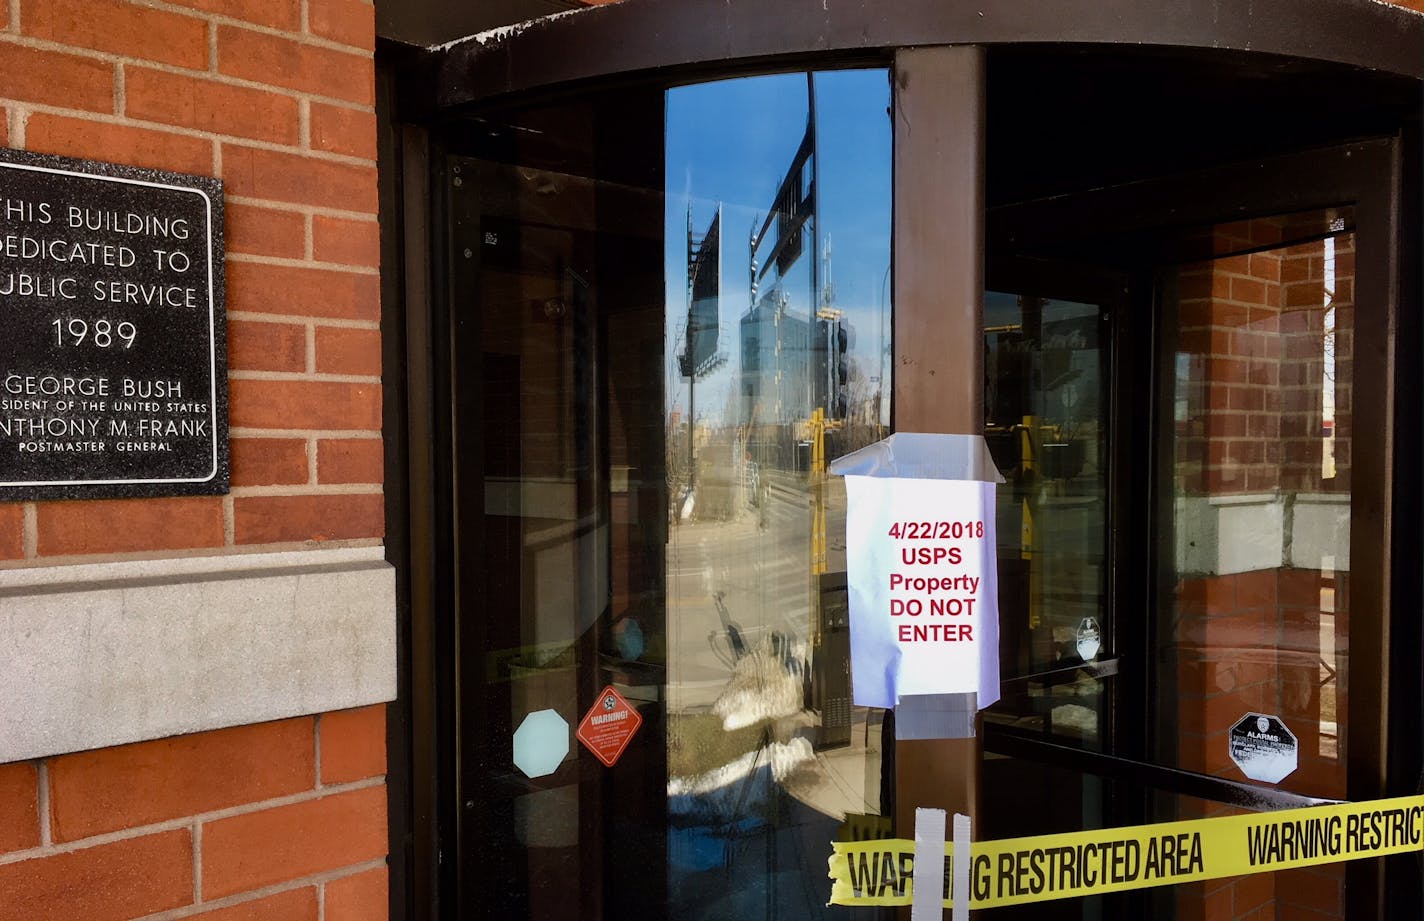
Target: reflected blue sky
x=730, y=142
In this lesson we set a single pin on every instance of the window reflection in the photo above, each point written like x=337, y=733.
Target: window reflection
x=560, y=516
x=1258, y=574
x=663, y=336
x=777, y=254
x=1046, y=425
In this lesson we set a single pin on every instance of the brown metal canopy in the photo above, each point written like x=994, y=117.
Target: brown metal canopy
x=642, y=35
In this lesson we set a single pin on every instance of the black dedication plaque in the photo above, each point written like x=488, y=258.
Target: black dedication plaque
x=113, y=347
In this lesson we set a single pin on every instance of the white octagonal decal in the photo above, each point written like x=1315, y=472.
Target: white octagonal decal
x=540, y=743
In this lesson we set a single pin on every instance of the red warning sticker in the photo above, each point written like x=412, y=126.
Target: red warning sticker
x=608, y=725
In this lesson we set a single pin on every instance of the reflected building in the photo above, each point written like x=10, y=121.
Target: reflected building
x=780, y=362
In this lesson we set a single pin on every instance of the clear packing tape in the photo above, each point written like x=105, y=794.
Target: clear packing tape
x=1018, y=871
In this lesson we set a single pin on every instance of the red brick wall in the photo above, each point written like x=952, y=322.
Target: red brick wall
x=276, y=98
x=1253, y=325
x=257, y=822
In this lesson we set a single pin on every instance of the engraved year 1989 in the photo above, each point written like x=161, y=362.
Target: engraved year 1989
x=102, y=333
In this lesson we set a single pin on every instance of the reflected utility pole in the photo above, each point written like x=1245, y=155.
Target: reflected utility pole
x=700, y=355
x=691, y=360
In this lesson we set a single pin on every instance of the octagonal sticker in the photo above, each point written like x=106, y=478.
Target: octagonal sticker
x=1263, y=748
x=541, y=743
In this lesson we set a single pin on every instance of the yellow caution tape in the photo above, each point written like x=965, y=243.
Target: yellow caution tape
x=1016, y=871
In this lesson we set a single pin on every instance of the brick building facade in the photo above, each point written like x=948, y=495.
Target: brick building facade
x=251, y=817
x=193, y=691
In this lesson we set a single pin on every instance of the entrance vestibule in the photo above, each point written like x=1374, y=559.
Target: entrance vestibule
x=1173, y=288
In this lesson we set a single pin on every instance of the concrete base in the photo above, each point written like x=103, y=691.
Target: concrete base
x=1222, y=535
x=97, y=655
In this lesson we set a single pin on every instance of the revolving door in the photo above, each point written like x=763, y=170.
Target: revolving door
x=663, y=303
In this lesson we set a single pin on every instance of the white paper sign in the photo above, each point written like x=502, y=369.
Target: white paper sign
x=923, y=588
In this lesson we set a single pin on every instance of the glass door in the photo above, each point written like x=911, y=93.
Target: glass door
x=1252, y=635
x=671, y=309
x=1213, y=527
x=1049, y=366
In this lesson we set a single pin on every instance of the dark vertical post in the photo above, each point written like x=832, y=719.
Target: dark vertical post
x=1373, y=426
x=939, y=283
x=433, y=818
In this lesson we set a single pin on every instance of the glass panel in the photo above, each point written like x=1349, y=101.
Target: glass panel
x=777, y=266
x=1045, y=412
x=561, y=507
x=1045, y=421
x=661, y=338
x=1071, y=707
x=1254, y=622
